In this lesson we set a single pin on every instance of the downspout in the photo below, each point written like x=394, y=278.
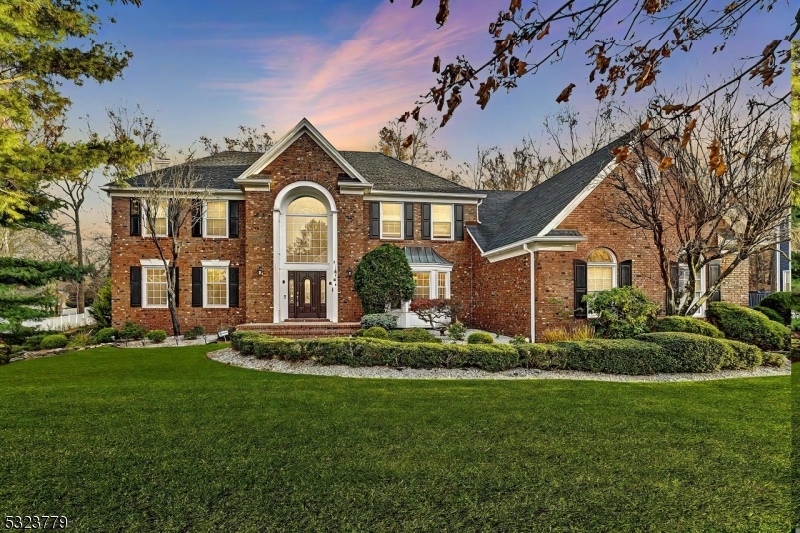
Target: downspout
x=533, y=290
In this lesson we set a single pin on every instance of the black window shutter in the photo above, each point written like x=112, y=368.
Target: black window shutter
x=170, y=217
x=233, y=219
x=580, y=286
x=674, y=277
x=136, y=286
x=426, y=222
x=408, y=208
x=197, y=286
x=714, y=270
x=197, y=218
x=374, y=220
x=176, y=277
x=233, y=287
x=136, y=217
x=625, y=274
x=459, y=222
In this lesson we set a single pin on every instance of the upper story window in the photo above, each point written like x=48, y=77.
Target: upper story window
x=601, y=267
x=216, y=219
x=157, y=216
x=391, y=220
x=306, y=231
x=442, y=221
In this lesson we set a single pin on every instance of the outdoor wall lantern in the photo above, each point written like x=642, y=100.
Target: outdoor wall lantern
x=349, y=272
x=260, y=271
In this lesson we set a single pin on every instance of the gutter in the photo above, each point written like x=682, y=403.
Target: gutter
x=533, y=291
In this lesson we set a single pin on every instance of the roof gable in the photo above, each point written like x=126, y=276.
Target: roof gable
x=304, y=126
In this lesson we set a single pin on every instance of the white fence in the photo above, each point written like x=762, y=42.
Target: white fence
x=60, y=323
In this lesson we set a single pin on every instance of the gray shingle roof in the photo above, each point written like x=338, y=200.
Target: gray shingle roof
x=388, y=174
x=507, y=218
x=215, y=171
x=424, y=254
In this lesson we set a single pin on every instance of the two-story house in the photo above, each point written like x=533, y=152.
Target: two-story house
x=282, y=232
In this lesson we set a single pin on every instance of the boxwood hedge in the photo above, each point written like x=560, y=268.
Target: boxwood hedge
x=744, y=355
x=692, y=352
x=687, y=324
x=617, y=356
x=743, y=324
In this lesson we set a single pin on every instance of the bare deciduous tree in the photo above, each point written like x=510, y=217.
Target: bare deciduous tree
x=708, y=188
x=248, y=139
x=414, y=147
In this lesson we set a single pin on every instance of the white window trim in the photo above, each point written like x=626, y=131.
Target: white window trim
x=205, y=220
x=614, y=265
x=402, y=222
x=452, y=223
x=216, y=265
x=433, y=271
x=787, y=280
x=152, y=264
x=701, y=312
x=145, y=231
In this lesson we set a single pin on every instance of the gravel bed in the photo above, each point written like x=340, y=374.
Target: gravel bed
x=233, y=357
x=169, y=342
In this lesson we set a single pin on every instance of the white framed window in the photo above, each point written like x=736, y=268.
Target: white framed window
x=391, y=220
x=601, y=273
x=154, y=286
x=215, y=222
x=442, y=285
x=442, y=221
x=215, y=286
x=431, y=283
x=699, y=287
x=159, y=221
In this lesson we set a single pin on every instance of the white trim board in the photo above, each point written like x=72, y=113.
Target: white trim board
x=304, y=126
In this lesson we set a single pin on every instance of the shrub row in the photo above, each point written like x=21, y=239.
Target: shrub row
x=746, y=325
x=650, y=353
x=687, y=324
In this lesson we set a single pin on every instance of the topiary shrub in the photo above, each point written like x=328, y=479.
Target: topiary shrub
x=687, y=324
x=616, y=356
x=51, y=342
x=745, y=356
x=414, y=335
x=782, y=303
x=384, y=320
x=743, y=324
x=622, y=312
x=101, y=306
x=106, y=335
x=375, y=332
x=692, y=352
x=131, y=330
x=194, y=333
x=383, y=278
x=480, y=337
x=775, y=359
x=156, y=335
x=769, y=313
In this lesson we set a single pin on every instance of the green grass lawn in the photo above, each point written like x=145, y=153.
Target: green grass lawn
x=167, y=440
x=796, y=443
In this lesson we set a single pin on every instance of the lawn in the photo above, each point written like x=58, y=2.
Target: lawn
x=167, y=440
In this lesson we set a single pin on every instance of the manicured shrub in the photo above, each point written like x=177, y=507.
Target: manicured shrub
x=33, y=342
x=456, y=331
x=687, y=324
x=745, y=356
x=616, y=356
x=106, y=335
x=54, y=341
x=622, y=312
x=775, y=359
x=480, y=337
x=156, y=335
x=782, y=303
x=376, y=332
x=131, y=330
x=359, y=333
x=541, y=356
x=769, y=313
x=743, y=324
x=414, y=335
x=243, y=341
x=384, y=320
x=194, y=333
x=382, y=278
x=692, y=352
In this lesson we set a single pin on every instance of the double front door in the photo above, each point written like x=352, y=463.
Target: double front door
x=307, y=294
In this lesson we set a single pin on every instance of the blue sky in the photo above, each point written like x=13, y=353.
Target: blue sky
x=204, y=67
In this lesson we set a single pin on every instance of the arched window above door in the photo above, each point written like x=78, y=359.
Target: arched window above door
x=306, y=231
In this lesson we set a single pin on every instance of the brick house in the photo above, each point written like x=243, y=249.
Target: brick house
x=281, y=234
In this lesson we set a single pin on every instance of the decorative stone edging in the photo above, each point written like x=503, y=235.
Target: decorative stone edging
x=232, y=357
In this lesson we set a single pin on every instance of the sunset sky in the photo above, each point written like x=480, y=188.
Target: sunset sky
x=204, y=67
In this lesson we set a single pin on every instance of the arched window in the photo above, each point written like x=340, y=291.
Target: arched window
x=306, y=231
x=601, y=271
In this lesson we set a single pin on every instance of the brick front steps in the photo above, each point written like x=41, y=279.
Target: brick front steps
x=304, y=329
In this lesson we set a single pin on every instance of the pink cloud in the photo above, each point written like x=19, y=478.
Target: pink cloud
x=350, y=89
